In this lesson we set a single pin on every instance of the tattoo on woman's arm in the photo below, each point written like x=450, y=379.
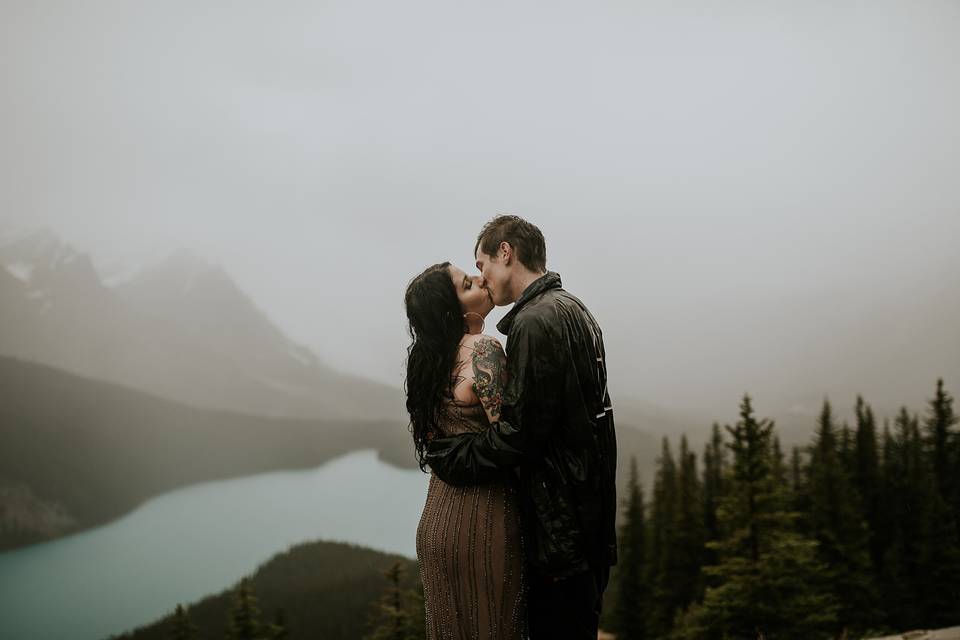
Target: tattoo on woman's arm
x=489, y=369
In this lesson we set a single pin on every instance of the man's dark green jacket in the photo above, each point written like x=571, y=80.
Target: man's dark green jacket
x=555, y=433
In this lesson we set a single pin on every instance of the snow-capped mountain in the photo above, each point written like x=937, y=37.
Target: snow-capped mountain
x=50, y=270
x=180, y=328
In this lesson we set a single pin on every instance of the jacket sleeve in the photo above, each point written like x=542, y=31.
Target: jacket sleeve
x=473, y=458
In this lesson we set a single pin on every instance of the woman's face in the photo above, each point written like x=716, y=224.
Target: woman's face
x=474, y=296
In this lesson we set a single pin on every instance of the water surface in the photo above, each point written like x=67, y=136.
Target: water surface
x=186, y=544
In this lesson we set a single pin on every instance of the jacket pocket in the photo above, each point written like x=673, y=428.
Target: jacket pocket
x=558, y=529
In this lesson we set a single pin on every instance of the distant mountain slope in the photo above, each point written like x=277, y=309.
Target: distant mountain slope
x=326, y=590
x=180, y=329
x=78, y=452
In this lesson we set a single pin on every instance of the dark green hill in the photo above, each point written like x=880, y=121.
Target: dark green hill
x=325, y=589
x=78, y=452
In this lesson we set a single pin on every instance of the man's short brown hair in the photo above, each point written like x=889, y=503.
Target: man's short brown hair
x=524, y=237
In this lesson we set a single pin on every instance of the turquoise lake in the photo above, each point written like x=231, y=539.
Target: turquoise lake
x=186, y=544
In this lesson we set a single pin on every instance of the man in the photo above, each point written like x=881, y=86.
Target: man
x=555, y=432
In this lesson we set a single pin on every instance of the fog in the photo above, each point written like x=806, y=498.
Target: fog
x=755, y=197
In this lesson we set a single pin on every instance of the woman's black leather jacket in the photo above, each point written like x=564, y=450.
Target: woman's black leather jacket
x=555, y=433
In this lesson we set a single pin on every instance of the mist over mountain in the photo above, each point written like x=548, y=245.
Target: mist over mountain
x=887, y=342
x=748, y=198
x=180, y=328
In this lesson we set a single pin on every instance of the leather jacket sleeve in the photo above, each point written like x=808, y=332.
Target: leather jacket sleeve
x=473, y=458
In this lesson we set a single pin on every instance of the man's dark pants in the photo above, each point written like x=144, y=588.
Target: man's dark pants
x=568, y=608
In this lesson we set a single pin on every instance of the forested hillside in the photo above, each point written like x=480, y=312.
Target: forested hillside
x=854, y=535
x=312, y=590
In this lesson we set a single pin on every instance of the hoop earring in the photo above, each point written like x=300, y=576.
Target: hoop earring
x=482, y=321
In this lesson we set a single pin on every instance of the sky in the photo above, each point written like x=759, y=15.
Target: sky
x=694, y=166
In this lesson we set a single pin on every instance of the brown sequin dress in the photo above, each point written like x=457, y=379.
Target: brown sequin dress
x=470, y=552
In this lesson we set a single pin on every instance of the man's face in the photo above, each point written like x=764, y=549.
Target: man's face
x=496, y=274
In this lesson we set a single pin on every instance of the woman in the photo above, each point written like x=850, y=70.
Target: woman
x=468, y=541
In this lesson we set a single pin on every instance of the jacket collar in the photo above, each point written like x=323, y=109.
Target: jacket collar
x=550, y=280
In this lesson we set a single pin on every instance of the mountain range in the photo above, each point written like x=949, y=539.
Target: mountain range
x=180, y=328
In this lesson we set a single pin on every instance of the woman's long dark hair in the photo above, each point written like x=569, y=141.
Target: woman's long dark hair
x=435, y=328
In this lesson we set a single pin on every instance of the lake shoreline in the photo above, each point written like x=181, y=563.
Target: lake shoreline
x=189, y=543
x=70, y=527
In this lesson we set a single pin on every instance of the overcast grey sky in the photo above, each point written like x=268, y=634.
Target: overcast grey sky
x=692, y=164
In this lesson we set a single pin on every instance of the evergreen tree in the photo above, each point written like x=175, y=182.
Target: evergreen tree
x=866, y=476
x=770, y=582
x=632, y=605
x=941, y=589
x=662, y=566
x=399, y=614
x=244, y=623
x=752, y=477
x=846, y=449
x=926, y=543
x=182, y=627
x=835, y=520
x=887, y=507
x=779, y=466
x=909, y=491
x=714, y=465
x=690, y=531
x=941, y=443
x=943, y=447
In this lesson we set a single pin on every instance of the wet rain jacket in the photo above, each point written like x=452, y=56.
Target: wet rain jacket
x=555, y=432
